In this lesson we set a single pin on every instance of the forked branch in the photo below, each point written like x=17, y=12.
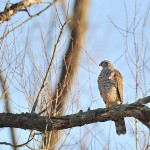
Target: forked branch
x=20, y=6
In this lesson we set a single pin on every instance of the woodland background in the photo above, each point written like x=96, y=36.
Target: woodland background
x=71, y=38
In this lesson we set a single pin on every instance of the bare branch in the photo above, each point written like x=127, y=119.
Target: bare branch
x=20, y=6
x=34, y=121
x=49, y=68
x=70, y=62
x=144, y=100
x=15, y=146
x=6, y=96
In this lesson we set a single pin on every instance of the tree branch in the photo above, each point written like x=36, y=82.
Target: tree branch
x=34, y=121
x=70, y=62
x=20, y=6
x=49, y=67
x=6, y=96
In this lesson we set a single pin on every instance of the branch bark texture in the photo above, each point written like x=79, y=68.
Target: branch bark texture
x=20, y=6
x=34, y=121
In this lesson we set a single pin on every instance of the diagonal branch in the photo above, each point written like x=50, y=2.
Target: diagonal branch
x=69, y=67
x=70, y=62
x=20, y=6
x=34, y=121
x=49, y=68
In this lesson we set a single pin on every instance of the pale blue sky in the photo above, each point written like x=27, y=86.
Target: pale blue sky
x=102, y=41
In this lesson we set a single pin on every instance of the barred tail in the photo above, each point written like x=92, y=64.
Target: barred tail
x=120, y=126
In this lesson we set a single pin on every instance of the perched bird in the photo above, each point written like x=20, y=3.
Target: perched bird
x=110, y=84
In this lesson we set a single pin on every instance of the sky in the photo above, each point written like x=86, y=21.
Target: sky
x=106, y=38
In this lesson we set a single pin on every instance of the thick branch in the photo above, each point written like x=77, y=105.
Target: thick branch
x=34, y=121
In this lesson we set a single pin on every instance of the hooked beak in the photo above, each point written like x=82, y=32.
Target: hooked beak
x=100, y=64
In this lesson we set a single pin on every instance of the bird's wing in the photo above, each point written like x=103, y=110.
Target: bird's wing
x=100, y=88
x=119, y=84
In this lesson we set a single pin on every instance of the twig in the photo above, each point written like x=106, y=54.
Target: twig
x=20, y=145
x=37, y=14
x=49, y=68
x=20, y=6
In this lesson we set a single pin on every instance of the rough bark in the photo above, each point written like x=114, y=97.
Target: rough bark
x=34, y=121
x=15, y=8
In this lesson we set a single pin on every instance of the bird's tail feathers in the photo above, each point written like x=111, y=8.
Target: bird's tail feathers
x=120, y=126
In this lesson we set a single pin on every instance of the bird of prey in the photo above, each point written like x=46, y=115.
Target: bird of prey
x=110, y=84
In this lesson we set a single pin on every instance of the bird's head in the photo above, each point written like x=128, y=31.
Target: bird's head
x=106, y=63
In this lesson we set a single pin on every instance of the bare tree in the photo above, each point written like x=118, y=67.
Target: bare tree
x=136, y=57
x=42, y=45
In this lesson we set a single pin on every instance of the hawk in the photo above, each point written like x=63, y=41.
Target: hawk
x=110, y=84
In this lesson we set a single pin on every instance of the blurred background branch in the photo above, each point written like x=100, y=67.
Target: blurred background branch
x=78, y=25
x=6, y=96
